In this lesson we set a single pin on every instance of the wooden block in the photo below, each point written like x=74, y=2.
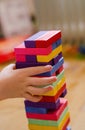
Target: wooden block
x=28, y=58
x=36, y=110
x=49, y=122
x=47, y=105
x=59, y=70
x=64, y=93
x=43, y=39
x=57, y=65
x=25, y=65
x=20, y=58
x=47, y=39
x=66, y=124
x=51, y=115
x=30, y=64
x=59, y=127
x=56, y=44
x=59, y=77
x=57, y=59
x=31, y=59
x=31, y=41
x=54, y=98
x=47, y=58
x=21, y=50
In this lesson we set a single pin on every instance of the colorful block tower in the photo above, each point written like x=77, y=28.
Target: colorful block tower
x=43, y=48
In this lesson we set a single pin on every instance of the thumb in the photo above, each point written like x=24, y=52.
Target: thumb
x=10, y=67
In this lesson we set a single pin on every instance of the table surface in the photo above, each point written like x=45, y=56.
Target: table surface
x=12, y=112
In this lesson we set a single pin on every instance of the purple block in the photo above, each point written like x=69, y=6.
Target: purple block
x=56, y=59
x=30, y=42
x=26, y=64
x=64, y=93
x=31, y=58
x=47, y=105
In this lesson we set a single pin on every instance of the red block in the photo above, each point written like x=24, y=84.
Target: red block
x=59, y=70
x=53, y=98
x=49, y=38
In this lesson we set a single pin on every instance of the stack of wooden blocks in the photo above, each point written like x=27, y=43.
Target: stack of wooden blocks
x=45, y=48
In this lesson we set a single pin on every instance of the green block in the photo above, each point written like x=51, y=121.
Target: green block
x=59, y=77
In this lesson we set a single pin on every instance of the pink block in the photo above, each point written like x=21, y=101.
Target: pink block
x=32, y=51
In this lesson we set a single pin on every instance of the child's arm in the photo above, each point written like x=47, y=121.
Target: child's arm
x=16, y=83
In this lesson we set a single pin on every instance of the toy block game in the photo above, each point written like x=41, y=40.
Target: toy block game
x=51, y=112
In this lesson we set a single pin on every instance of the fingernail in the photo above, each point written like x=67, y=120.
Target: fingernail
x=50, y=87
x=49, y=66
x=55, y=78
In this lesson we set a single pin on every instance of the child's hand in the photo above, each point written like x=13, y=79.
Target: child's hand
x=20, y=83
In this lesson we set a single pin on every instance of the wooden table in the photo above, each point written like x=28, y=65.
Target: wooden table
x=12, y=112
x=75, y=75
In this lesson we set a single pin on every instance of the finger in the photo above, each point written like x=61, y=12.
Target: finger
x=30, y=71
x=38, y=91
x=36, y=81
x=32, y=98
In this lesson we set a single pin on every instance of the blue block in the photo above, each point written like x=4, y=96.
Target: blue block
x=57, y=66
x=36, y=110
x=30, y=42
x=56, y=44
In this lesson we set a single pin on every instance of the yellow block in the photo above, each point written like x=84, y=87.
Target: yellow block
x=47, y=58
x=55, y=88
x=64, y=120
x=60, y=127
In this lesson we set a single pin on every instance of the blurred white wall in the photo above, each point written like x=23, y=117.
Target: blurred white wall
x=67, y=15
x=16, y=17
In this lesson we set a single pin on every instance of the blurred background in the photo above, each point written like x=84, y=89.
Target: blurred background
x=20, y=19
